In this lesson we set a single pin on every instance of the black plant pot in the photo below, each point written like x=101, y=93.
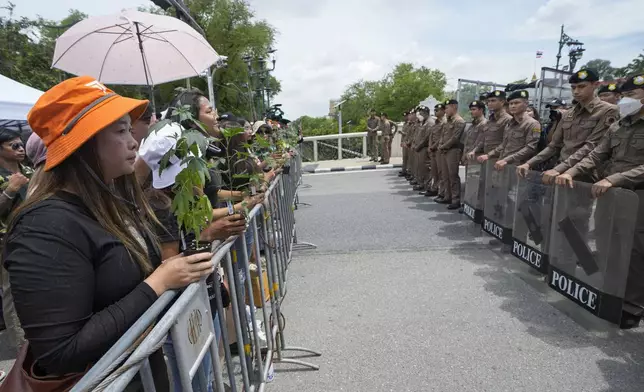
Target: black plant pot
x=197, y=247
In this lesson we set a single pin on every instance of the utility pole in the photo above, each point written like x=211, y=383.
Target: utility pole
x=575, y=53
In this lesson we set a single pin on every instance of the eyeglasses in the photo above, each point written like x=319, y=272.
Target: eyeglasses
x=17, y=146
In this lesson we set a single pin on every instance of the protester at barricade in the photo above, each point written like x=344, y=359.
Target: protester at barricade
x=580, y=129
x=620, y=159
x=521, y=136
x=498, y=121
x=14, y=180
x=450, y=147
x=83, y=259
x=419, y=146
x=373, y=126
x=609, y=93
x=403, y=144
x=436, y=188
x=141, y=126
x=173, y=238
x=388, y=128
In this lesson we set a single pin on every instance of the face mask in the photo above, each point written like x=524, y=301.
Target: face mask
x=628, y=106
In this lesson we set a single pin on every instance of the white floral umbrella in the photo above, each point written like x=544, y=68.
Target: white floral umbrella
x=133, y=48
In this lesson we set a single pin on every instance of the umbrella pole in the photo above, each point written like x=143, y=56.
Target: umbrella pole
x=152, y=103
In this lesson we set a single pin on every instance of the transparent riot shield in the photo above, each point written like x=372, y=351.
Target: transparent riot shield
x=532, y=218
x=474, y=191
x=590, y=247
x=500, y=198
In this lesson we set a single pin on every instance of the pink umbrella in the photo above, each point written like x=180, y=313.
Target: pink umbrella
x=134, y=48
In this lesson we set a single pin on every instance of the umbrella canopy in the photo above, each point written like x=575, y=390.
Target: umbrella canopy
x=134, y=48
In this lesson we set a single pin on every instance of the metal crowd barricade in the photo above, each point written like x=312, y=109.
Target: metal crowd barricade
x=190, y=320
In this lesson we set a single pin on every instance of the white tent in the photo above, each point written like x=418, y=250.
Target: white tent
x=15, y=102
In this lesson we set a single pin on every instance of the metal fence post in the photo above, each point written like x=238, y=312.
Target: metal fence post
x=339, y=147
x=364, y=146
x=315, y=150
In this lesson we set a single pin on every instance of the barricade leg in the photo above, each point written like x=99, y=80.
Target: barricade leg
x=225, y=343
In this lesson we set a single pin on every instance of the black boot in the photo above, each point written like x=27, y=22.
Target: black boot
x=444, y=201
x=454, y=206
x=417, y=187
x=430, y=193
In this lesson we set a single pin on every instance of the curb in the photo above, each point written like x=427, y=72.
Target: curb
x=352, y=168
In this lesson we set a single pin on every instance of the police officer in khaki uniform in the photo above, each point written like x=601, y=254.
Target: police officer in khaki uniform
x=609, y=93
x=413, y=130
x=373, y=126
x=475, y=135
x=435, y=188
x=495, y=128
x=403, y=144
x=582, y=126
x=521, y=135
x=388, y=128
x=421, y=143
x=450, y=146
x=620, y=157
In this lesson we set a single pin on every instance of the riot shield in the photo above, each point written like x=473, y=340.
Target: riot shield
x=532, y=218
x=474, y=191
x=590, y=247
x=500, y=198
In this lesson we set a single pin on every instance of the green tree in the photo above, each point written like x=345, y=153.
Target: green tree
x=603, y=68
x=635, y=66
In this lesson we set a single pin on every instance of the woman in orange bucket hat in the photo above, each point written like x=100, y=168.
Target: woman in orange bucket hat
x=83, y=261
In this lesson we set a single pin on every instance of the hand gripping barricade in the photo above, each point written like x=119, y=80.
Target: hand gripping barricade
x=590, y=247
x=190, y=320
x=532, y=218
x=500, y=198
x=474, y=195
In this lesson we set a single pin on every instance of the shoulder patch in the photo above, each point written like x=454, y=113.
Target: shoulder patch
x=610, y=120
x=536, y=130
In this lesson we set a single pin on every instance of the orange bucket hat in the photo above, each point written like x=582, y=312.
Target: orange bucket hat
x=72, y=112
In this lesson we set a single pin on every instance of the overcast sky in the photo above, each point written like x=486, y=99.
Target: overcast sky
x=324, y=45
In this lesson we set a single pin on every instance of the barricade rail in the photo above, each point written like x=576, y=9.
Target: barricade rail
x=193, y=325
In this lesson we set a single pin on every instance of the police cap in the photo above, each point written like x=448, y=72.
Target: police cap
x=451, y=102
x=584, y=75
x=632, y=83
x=518, y=94
x=439, y=106
x=477, y=104
x=497, y=94
x=423, y=109
x=608, y=88
x=483, y=96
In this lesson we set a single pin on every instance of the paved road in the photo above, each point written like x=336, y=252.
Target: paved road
x=402, y=295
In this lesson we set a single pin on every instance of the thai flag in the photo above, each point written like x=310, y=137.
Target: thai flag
x=539, y=54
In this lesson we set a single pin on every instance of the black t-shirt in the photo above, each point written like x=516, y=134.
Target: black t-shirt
x=170, y=232
x=75, y=286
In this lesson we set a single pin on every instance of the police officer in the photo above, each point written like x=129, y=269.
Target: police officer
x=475, y=135
x=495, y=128
x=388, y=128
x=521, y=135
x=373, y=126
x=450, y=146
x=609, y=93
x=413, y=129
x=581, y=128
x=435, y=156
x=421, y=143
x=403, y=144
x=620, y=156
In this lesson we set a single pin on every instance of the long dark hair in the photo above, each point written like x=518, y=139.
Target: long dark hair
x=108, y=208
x=185, y=98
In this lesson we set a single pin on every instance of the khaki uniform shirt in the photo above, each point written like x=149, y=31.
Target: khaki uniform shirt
x=404, y=132
x=386, y=128
x=436, y=132
x=422, y=135
x=474, y=136
x=520, y=141
x=493, y=133
x=580, y=127
x=452, y=132
x=620, y=153
x=373, y=124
